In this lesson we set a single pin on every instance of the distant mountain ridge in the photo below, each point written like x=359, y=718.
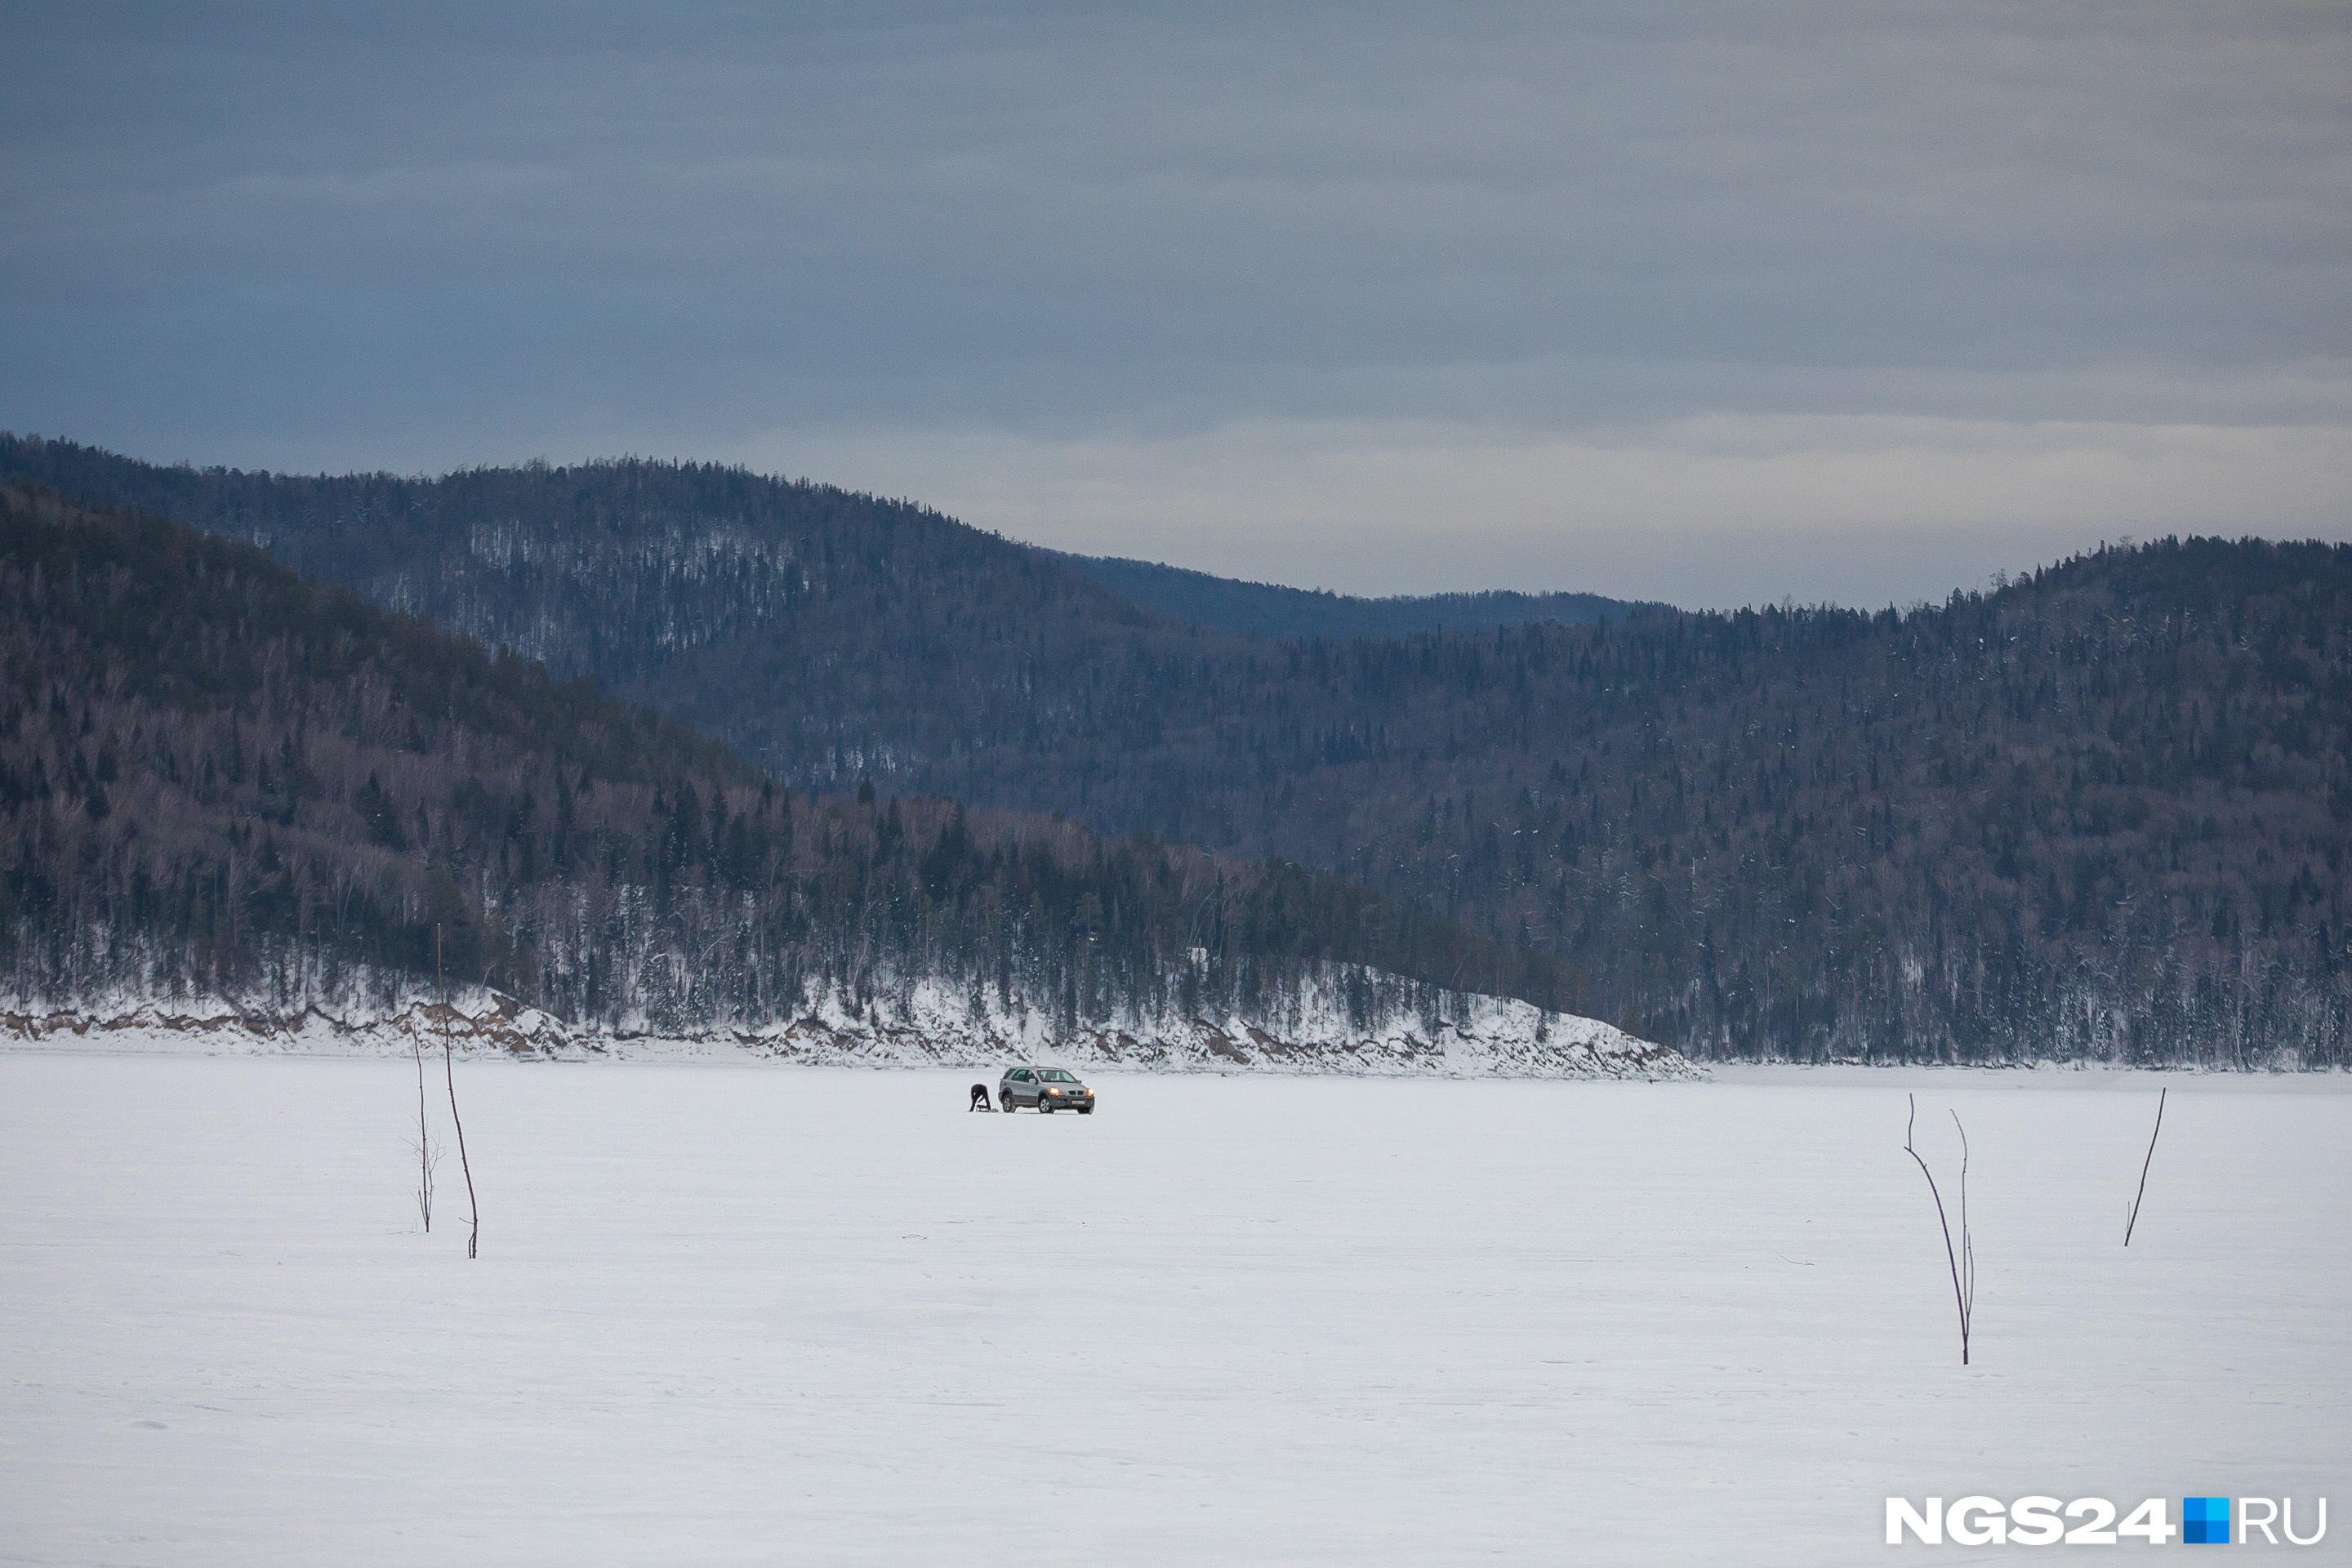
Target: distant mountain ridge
x=1278, y=614
x=2104, y=811
x=826, y=635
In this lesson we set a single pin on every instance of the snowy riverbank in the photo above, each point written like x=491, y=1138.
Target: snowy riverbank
x=923, y=1026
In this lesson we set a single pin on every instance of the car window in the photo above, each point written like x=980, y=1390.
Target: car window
x=1056, y=1075
x=1022, y=1076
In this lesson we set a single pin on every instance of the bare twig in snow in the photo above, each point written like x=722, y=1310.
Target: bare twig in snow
x=424, y=1138
x=449, y=1070
x=1967, y=1248
x=1964, y=1277
x=2130, y=1223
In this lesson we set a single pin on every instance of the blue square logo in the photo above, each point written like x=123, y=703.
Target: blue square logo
x=2205, y=1520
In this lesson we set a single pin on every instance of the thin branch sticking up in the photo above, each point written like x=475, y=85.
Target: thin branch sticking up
x=449, y=1070
x=1967, y=1248
x=1963, y=1257
x=424, y=1138
x=2132, y=1223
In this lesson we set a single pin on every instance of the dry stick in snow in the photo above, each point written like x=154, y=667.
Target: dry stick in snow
x=2144, y=1164
x=1964, y=1277
x=473, y=1205
x=1967, y=1248
x=424, y=1141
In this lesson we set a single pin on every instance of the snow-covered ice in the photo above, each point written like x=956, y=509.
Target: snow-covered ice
x=753, y=1313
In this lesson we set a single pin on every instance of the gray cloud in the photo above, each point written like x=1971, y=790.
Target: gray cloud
x=427, y=237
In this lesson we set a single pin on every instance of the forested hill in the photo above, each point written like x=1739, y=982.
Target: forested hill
x=1280, y=614
x=217, y=778
x=2101, y=810
x=826, y=635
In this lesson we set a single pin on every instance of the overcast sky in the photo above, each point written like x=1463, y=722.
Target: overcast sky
x=1839, y=301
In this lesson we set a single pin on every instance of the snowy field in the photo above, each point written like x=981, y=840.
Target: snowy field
x=749, y=1315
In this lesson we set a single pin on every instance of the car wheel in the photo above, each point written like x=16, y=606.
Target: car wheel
x=1044, y=1105
x=1086, y=1110
x=1006, y=1101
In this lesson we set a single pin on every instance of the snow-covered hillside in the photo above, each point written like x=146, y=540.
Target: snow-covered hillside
x=923, y=1024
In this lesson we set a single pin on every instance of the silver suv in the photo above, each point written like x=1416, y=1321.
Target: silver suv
x=1047, y=1088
